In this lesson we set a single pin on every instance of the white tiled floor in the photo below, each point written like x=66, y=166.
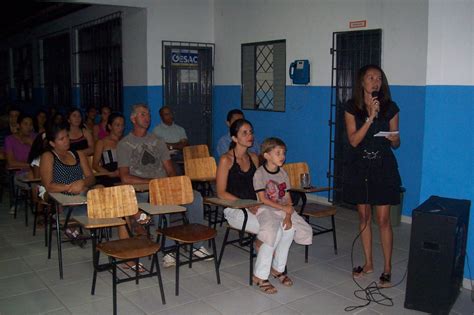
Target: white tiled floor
x=30, y=284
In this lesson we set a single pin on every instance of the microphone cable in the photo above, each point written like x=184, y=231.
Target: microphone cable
x=372, y=292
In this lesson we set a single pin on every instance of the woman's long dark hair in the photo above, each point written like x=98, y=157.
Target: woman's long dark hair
x=111, y=119
x=52, y=133
x=69, y=113
x=38, y=147
x=234, y=129
x=358, y=92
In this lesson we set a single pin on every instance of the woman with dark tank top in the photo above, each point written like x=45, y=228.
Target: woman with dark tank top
x=234, y=179
x=80, y=139
x=105, y=151
x=63, y=170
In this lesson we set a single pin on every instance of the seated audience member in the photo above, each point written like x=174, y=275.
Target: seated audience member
x=100, y=130
x=225, y=141
x=80, y=138
x=18, y=145
x=174, y=135
x=279, y=222
x=91, y=114
x=143, y=156
x=64, y=170
x=40, y=122
x=17, y=148
x=105, y=160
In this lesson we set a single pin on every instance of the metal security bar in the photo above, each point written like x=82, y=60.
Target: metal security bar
x=23, y=72
x=350, y=51
x=4, y=76
x=98, y=66
x=264, y=75
x=55, y=58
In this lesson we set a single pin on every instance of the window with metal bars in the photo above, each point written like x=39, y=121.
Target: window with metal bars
x=23, y=72
x=4, y=76
x=56, y=61
x=264, y=75
x=99, y=62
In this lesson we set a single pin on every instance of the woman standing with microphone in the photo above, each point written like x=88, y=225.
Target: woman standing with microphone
x=371, y=176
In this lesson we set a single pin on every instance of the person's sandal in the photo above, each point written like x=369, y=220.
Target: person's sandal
x=265, y=286
x=385, y=280
x=358, y=272
x=283, y=278
x=143, y=219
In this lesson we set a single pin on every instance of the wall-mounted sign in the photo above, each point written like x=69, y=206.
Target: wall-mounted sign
x=184, y=57
x=357, y=24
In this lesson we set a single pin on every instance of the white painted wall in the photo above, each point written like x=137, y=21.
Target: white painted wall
x=308, y=25
x=450, y=43
x=176, y=20
x=134, y=48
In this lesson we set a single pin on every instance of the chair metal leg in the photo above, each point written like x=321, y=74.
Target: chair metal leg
x=224, y=243
x=306, y=250
x=35, y=219
x=160, y=281
x=216, y=265
x=176, y=292
x=137, y=270
x=114, y=285
x=334, y=233
x=251, y=259
x=50, y=236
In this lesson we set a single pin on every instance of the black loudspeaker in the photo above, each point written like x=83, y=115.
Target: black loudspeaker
x=437, y=252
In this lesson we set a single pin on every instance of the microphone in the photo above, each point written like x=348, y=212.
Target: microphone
x=376, y=94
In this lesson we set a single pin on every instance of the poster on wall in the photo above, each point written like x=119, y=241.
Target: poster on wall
x=184, y=57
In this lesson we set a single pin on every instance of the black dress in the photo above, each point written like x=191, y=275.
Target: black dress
x=240, y=183
x=370, y=170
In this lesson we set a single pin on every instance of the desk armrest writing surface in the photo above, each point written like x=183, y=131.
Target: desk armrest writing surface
x=69, y=200
x=241, y=204
x=238, y=204
x=309, y=190
x=89, y=223
x=158, y=210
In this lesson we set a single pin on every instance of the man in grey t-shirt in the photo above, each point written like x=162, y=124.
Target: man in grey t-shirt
x=143, y=156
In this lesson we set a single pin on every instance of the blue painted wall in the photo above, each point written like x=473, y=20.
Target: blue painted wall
x=448, y=149
x=304, y=128
x=435, y=156
x=150, y=95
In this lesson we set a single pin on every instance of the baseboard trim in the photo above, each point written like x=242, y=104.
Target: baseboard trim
x=466, y=284
x=319, y=199
x=406, y=219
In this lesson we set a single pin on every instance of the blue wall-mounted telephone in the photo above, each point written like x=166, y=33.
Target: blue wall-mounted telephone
x=299, y=71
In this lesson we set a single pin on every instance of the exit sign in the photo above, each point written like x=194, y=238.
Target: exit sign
x=357, y=24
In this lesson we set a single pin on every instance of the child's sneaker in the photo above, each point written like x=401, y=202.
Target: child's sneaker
x=169, y=260
x=202, y=252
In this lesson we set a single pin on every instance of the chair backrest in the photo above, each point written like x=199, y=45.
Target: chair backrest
x=195, y=151
x=111, y=202
x=294, y=171
x=175, y=190
x=201, y=168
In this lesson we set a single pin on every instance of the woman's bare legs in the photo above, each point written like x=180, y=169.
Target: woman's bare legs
x=386, y=236
x=365, y=215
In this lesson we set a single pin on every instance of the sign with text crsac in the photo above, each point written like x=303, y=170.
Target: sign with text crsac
x=184, y=57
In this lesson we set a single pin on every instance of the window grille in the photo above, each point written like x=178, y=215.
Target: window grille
x=264, y=75
x=4, y=76
x=23, y=73
x=99, y=62
x=56, y=62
